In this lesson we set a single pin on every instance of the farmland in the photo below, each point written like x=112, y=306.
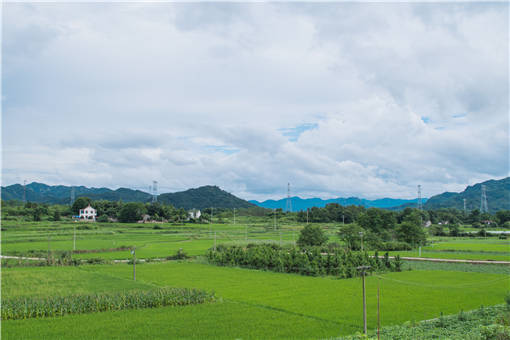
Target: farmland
x=322, y=305
x=249, y=303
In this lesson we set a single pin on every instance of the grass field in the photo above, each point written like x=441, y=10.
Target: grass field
x=254, y=304
x=162, y=240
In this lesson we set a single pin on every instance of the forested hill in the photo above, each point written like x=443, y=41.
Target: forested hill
x=61, y=194
x=204, y=197
x=199, y=198
x=498, y=197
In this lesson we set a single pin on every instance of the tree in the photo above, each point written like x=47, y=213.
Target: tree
x=131, y=212
x=454, y=229
x=411, y=233
x=502, y=216
x=350, y=235
x=56, y=215
x=80, y=203
x=311, y=235
x=474, y=216
x=37, y=213
x=377, y=220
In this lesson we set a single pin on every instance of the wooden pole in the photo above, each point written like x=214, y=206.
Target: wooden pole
x=378, y=310
x=364, y=304
x=134, y=264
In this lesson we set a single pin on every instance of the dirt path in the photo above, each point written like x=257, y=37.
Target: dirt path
x=391, y=257
x=450, y=260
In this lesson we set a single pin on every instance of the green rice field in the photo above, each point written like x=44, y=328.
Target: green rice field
x=251, y=302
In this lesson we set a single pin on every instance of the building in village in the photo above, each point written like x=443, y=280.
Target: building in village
x=88, y=214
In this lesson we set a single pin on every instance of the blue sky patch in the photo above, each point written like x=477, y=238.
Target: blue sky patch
x=293, y=133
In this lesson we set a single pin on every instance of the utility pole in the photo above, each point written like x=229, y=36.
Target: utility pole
x=246, y=234
x=274, y=220
x=212, y=213
x=378, y=310
x=215, y=241
x=306, y=215
x=361, y=235
x=133, y=252
x=74, y=238
x=363, y=269
x=234, y=216
x=343, y=219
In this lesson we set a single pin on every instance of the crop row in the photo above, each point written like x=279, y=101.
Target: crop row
x=36, y=307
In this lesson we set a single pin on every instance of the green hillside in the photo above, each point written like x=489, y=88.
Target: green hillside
x=204, y=197
x=498, y=197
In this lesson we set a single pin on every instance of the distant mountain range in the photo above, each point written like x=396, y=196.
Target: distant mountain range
x=303, y=204
x=497, y=191
x=498, y=197
x=200, y=198
x=61, y=194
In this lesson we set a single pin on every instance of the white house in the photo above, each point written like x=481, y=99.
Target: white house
x=194, y=214
x=88, y=214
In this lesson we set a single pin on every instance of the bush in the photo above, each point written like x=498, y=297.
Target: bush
x=394, y=245
x=180, y=255
x=502, y=236
x=103, y=218
x=476, y=225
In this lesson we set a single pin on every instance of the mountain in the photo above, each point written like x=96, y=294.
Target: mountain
x=199, y=198
x=498, y=197
x=61, y=194
x=204, y=197
x=302, y=204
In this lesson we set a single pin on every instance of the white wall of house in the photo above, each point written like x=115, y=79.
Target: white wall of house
x=88, y=213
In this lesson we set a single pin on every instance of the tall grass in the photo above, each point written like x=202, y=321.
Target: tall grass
x=36, y=307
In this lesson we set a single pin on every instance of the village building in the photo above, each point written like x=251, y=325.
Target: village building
x=194, y=214
x=88, y=214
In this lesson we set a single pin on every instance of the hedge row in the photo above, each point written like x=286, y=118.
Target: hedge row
x=342, y=263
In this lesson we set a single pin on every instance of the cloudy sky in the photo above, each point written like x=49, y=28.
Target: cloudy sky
x=338, y=99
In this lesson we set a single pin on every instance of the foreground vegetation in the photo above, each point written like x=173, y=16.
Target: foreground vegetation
x=22, y=307
x=489, y=323
x=251, y=303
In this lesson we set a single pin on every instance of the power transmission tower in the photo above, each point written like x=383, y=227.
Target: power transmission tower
x=483, y=200
x=465, y=210
x=420, y=206
x=288, y=208
x=72, y=195
x=154, y=191
x=25, y=191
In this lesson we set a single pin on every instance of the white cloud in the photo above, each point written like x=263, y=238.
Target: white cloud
x=194, y=94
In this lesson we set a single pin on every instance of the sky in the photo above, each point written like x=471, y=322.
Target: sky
x=339, y=99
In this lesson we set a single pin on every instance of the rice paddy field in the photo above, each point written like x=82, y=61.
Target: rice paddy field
x=249, y=304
